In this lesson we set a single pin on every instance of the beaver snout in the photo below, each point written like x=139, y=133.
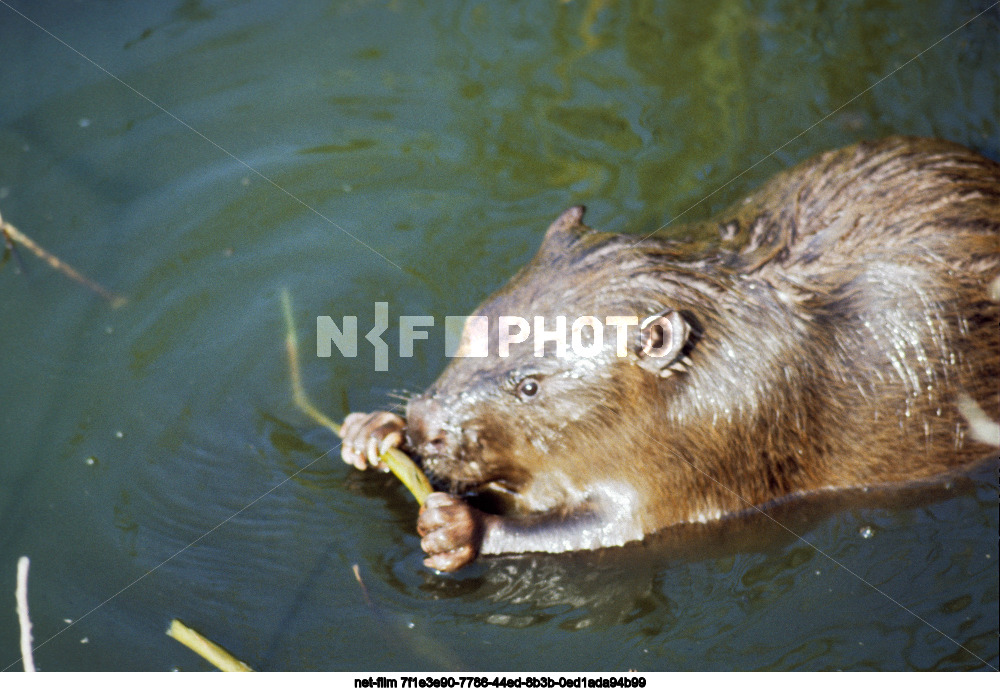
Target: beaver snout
x=449, y=446
x=426, y=428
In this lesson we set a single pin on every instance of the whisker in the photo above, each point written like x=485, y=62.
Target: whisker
x=401, y=395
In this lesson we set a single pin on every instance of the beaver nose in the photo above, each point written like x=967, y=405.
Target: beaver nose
x=425, y=426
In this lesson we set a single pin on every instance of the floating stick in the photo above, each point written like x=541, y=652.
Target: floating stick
x=361, y=583
x=21, y=594
x=210, y=651
x=11, y=234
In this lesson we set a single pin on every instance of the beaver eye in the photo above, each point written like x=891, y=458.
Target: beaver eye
x=527, y=388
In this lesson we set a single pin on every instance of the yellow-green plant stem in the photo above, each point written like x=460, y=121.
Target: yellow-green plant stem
x=210, y=651
x=398, y=462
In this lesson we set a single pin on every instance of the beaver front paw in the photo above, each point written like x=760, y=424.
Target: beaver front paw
x=452, y=532
x=366, y=436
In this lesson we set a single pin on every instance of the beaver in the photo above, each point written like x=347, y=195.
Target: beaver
x=816, y=336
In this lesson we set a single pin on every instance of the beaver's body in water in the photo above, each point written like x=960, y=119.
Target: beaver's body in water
x=823, y=341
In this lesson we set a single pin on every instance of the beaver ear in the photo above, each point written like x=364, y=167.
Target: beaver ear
x=662, y=337
x=565, y=230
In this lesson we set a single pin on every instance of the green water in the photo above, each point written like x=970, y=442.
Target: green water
x=413, y=153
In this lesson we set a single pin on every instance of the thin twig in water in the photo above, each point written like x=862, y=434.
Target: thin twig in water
x=23, y=619
x=292, y=349
x=364, y=589
x=398, y=462
x=208, y=650
x=12, y=235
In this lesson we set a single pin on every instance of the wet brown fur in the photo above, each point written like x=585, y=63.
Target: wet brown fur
x=837, y=314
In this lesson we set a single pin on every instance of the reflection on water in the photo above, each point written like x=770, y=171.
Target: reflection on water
x=590, y=580
x=154, y=442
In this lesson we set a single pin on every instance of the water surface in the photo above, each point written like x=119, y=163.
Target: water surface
x=199, y=156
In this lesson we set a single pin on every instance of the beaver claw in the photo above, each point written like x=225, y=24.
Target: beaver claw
x=366, y=436
x=452, y=532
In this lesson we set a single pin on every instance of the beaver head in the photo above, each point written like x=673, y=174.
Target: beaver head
x=544, y=423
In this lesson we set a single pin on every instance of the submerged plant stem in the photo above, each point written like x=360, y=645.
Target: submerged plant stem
x=12, y=235
x=398, y=462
